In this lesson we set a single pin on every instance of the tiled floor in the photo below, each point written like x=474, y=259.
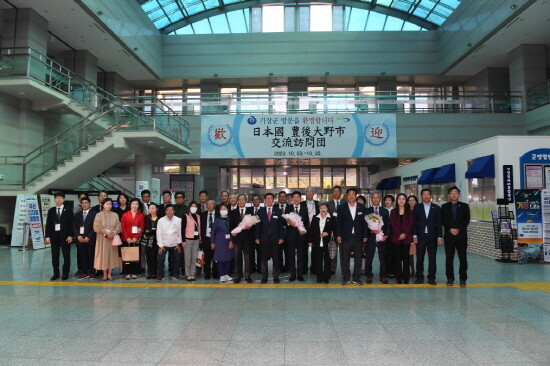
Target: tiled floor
x=502, y=318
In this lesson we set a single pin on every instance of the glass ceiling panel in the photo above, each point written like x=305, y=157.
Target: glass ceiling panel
x=167, y=14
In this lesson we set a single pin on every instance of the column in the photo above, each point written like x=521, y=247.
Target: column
x=114, y=83
x=212, y=87
x=296, y=87
x=388, y=87
x=25, y=28
x=144, y=171
x=82, y=63
x=527, y=64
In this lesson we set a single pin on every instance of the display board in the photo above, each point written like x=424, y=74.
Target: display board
x=27, y=210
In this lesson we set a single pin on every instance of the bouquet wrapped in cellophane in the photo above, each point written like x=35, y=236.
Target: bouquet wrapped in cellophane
x=247, y=222
x=295, y=220
x=375, y=222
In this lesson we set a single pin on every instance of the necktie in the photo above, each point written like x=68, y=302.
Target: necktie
x=376, y=210
x=210, y=220
x=296, y=209
x=255, y=210
x=269, y=214
x=337, y=204
x=84, y=214
x=58, y=213
x=242, y=213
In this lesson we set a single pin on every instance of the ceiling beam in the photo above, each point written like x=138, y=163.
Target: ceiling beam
x=421, y=22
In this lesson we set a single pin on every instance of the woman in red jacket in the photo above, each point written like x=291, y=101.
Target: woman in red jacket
x=401, y=222
x=132, y=225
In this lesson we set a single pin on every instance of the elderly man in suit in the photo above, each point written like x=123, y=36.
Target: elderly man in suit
x=83, y=228
x=455, y=217
x=427, y=235
x=372, y=244
x=333, y=206
x=351, y=232
x=269, y=235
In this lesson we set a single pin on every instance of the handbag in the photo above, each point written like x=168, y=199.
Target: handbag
x=117, y=241
x=200, y=258
x=332, y=247
x=130, y=254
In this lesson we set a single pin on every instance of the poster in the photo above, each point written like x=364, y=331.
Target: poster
x=545, y=198
x=547, y=176
x=46, y=202
x=298, y=136
x=155, y=190
x=19, y=219
x=508, y=182
x=140, y=186
x=529, y=216
x=533, y=177
x=27, y=210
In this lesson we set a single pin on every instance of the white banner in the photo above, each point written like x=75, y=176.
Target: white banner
x=298, y=136
x=19, y=219
x=27, y=210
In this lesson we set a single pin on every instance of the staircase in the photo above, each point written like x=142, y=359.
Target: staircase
x=101, y=182
x=107, y=133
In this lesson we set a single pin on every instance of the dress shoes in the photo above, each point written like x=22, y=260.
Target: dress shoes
x=369, y=280
x=78, y=273
x=301, y=278
x=450, y=282
x=462, y=283
x=292, y=279
x=418, y=281
x=54, y=278
x=384, y=281
x=207, y=277
x=276, y=280
x=432, y=282
x=248, y=279
x=264, y=280
x=325, y=281
x=65, y=277
x=236, y=280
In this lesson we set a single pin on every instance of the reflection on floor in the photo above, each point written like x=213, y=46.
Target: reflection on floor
x=502, y=318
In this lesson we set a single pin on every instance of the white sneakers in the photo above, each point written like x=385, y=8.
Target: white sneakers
x=225, y=278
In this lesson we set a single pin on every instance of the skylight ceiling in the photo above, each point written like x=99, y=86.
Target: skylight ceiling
x=171, y=15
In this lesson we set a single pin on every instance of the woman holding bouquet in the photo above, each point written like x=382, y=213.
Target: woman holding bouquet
x=320, y=233
x=401, y=220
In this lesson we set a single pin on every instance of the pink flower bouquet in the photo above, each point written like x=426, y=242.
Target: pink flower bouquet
x=375, y=222
x=295, y=220
x=247, y=222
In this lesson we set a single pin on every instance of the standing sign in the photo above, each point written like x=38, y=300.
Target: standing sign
x=546, y=222
x=27, y=210
x=298, y=136
x=46, y=202
x=508, y=182
x=529, y=216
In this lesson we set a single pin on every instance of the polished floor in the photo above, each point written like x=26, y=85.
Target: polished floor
x=502, y=318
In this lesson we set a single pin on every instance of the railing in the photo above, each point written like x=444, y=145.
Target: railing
x=107, y=183
x=109, y=113
x=340, y=102
x=538, y=96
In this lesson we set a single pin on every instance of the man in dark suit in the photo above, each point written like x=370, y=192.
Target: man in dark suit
x=372, y=244
x=59, y=233
x=83, y=228
x=241, y=241
x=427, y=235
x=207, y=220
x=333, y=206
x=312, y=208
x=296, y=242
x=166, y=200
x=283, y=252
x=455, y=217
x=351, y=232
x=101, y=195
x=269, y=235
x=255, y=254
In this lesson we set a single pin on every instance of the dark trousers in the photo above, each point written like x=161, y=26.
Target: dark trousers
x=173, y=262
x=86, y=254
x=78, y=256
x=322, y=261
x=209, y=268
x=224, y=267
x=255, y=257
x=296, y=248
x=371, y=246
x=334, y=263
x=460, y=245
x=426, y=243
x=266, y=248
x=305, y=260
x=346, y=248
x=400, y=256
x=151, y=253
x=242, y=254
x=61, y=246
x=284, y=254
x=390, y=262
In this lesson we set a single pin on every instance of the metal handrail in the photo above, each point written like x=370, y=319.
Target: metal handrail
x=114, y=184
x=539, y=95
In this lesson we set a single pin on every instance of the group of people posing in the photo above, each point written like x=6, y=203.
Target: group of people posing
x=135, y=235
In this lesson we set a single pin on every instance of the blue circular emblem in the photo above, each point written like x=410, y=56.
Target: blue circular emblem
x=376, y=134
x=220, y=135
x=251, y=120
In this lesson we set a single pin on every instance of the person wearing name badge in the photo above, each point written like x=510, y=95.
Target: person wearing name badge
x=101, y=196
x=132, y=225
x=106, y=226
x=372, y=245
x=169, y=241
x=207, y=221
x=401, y=221
x=190, y=226
x=166, y=200
x=241, y=241
x=319, y=235
x=296, y=241
x=269, y=235
x=220, y=237
x=283, y=252
x=149, y=240
x=255, y=254
x=79, y=272
x=413, y=201
x=312, y=207
x=333, y=206
x=59, y=234
x=85, y=237
x=123, y=205
x=427, y=234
